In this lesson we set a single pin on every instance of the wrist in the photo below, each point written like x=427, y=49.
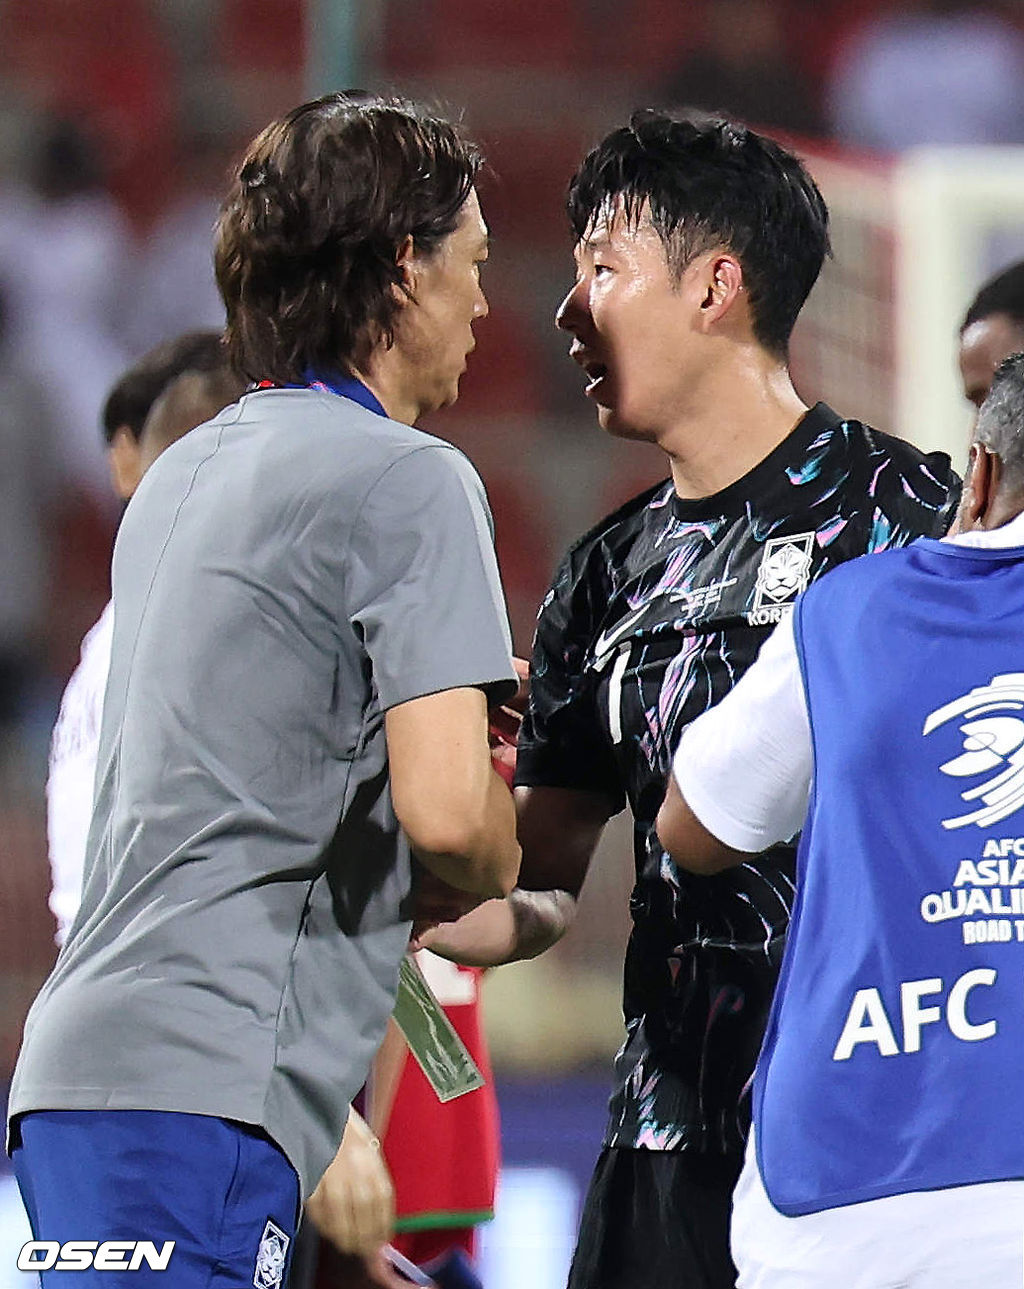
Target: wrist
x=361, y=1130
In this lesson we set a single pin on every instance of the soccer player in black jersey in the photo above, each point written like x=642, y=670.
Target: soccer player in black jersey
x=697, y=242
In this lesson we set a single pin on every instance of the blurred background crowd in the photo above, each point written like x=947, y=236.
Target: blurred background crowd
x=118, y=122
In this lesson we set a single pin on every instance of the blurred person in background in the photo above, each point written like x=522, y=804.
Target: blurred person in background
x=174, y=288
x=882, y=1151
x=746, y=67
x=30, y=481
x=168, y=392
x=992, y=329
x=929, y=71
x=64, y=260
x=309, y=627
x=698, y=241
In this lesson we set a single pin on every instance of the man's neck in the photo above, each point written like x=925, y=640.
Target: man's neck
x=1008, y=533
x=383, y=372
x=733, y=422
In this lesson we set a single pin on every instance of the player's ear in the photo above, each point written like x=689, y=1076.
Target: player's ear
x=979, y=487
x=405, y=290
x=125, y=464
x=723, y=285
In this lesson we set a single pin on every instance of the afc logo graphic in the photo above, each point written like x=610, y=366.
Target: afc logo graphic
x=784, y=572
x=993, y=740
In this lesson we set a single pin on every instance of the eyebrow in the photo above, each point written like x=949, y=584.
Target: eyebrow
x=591, y=244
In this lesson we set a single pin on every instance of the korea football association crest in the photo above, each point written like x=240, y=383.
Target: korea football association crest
x=993, y=740
x=271, y=1257
x=784, y=572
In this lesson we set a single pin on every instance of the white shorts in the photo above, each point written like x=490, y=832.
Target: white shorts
x=966, y=1237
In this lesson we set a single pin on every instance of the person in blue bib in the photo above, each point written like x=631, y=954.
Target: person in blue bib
x=885, y=717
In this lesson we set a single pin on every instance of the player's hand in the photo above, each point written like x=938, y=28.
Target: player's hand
x=434, y=901
x=354, y=1204
x=504, y=722
x=503, y=758
x=486, y=937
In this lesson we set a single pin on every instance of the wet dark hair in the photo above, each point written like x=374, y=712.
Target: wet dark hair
x=1003, y=293
x=131, y=398
x=309, y=235
x=711, y=182
x=1000, y=424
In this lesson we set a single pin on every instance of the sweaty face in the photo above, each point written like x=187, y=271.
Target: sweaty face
x=632, y=326
x=983, y=346
x=448, y=300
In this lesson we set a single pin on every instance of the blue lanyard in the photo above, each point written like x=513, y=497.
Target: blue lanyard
x=348, y=387
x=343, y=386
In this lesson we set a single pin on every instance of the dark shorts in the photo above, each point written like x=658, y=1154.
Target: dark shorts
x=222, y=1191
x=656, y=1220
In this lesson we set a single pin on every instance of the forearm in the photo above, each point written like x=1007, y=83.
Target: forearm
x=510, y=930
x=541, y=918
x=482, y=856
x=385, y=1075
x=455, y=809
x=686, y=839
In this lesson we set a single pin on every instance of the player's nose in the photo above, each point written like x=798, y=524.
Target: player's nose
x=571, y=313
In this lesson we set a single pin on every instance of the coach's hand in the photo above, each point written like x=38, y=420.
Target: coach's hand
x=434, y=901
x=354, y=1204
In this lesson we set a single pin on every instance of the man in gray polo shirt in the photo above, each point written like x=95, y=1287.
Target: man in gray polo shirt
x=308, y=630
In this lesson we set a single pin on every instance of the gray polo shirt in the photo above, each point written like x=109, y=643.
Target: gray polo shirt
x=284, y=575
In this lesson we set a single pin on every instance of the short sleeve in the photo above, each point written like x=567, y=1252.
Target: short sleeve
x=562, y=743
x=912, y=497
x=744, y=767
x=424, y=592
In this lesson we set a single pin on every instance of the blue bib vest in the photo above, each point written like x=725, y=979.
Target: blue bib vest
x=895, y=1047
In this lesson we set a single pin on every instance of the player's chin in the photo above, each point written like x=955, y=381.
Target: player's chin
x=447, y=394
x=618, y=426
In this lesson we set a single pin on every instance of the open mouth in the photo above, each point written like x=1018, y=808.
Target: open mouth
x=596, y=372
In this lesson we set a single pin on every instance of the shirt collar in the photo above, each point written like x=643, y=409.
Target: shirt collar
x=1006, y=535
x=347, y=387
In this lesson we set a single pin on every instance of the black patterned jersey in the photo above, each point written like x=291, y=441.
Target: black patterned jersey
x=652, y=618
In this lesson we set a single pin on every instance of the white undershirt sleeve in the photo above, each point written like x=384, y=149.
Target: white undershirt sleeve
x=744, y=767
